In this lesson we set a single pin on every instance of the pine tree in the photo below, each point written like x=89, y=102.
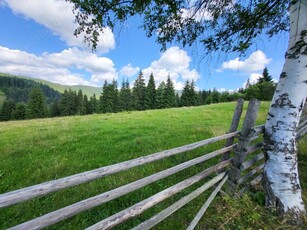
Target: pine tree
x=265, y=77
x=93, y=104
x=192, y=94
x=55, y=110
x=68, y=103
x=160, y=99
x=151, y=93
x=109, y=98
x=125, y=98
x=7, y=109
x=79, y=103
x=169, y=94
x=20, y=111
x=185, y=95
x=139, y=93
x=36, y=107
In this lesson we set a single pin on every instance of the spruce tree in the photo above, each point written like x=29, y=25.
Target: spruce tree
x=160, y=99
x=139, y=93
x=192, y=94
x=151, y=93
x=185, y=95
x=169, y=94
x=36, y=107
x=55, y=110
x=7, y=109
x=20, y=111
x=265, y=77
x=93, y=104
x=79, y=103
x=125, y=98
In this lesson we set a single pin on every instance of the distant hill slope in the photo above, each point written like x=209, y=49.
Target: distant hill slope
x=88, y=90
x=18, y=89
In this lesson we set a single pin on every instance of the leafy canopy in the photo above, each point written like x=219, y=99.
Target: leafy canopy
x=225, y=25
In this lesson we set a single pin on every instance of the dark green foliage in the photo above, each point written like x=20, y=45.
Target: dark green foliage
x=189, y=95
x=161, y=103
x=93, y=105
x=151, y=93
x=263, y=90
x=20, y=111
x=233, y=25
x=125, y=97
x=68, y=103
x=36, y=107
x=139, y=93
x=19, y=89
x=169, y=94
x=265, y=77
x=55, y=109
x=6, y=112
x=109, y=98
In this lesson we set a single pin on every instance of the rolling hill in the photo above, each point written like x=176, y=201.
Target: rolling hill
x=88, y=90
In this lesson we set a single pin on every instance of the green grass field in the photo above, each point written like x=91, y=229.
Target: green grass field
x=35, y=151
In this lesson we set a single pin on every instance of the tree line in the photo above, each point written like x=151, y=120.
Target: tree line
x=140, y=96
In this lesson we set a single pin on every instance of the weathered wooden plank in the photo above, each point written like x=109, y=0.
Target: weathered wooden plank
x=206, y=205
x=71, y=210
x=246, y=164
x=257, y=130
x=142, y=206
x=254, y=147
x=256, y=180
x=244, y=139
x=234, y=126
x=20, y=195
x=177, y=205
x=250, y=174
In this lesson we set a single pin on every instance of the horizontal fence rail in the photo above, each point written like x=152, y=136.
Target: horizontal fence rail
x=234, y=170
x=24, y=194
x=142, y=206
x=302, y=127
x=177, y=205
x=71, y=210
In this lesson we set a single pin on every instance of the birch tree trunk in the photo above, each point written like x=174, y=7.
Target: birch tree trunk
x=281, y=179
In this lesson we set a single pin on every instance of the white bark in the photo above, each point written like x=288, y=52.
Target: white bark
x=281, y=179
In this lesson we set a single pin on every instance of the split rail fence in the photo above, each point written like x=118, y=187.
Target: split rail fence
x=240, y=164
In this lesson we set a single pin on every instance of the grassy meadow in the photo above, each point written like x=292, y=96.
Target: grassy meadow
x=35, y=151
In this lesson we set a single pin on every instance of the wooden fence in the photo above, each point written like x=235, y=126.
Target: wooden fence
x=241, y=162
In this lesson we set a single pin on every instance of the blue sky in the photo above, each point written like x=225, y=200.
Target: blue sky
x=36, y=40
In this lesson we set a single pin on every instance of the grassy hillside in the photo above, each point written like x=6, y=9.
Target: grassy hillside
x=35, y=151
x=88, y=90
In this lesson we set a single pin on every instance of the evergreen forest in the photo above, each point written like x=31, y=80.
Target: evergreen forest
x=27, y=99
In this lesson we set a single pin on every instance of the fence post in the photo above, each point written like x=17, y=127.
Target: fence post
x=244, y=140
x=234, y=126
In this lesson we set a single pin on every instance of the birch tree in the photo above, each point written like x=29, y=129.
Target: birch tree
x=230, y=26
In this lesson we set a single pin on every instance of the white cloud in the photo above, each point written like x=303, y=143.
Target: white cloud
x=255, y=62
x=129, y=71
x=58, y=17
x=56, y=67
x=175, y=63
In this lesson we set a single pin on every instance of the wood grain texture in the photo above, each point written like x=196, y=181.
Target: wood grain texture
x=177, y=205
x=20, y=195
x=142, y=206
x=203, y=209
x=71, y=210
